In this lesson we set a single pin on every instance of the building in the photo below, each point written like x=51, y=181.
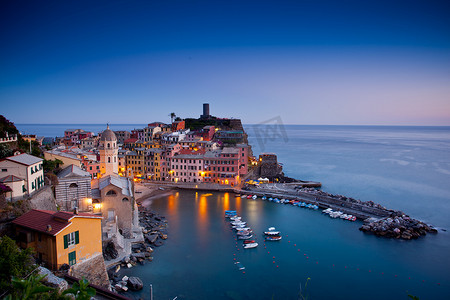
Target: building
x=26, y=167
x=122, y=136
x=108, y=150
x=177, y=125
x=60, y=237
x=67, y=158
x=113, y=197
x=74, y=189
x=16, y=187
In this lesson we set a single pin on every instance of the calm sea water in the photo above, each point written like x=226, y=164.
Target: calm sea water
x=405, y=168
x=54, y=130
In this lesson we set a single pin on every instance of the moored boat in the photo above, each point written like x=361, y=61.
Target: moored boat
x=271, y=231
x=273, y=237
x=245, y=237
x=250, y=246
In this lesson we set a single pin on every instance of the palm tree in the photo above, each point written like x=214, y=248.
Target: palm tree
x=172, y=116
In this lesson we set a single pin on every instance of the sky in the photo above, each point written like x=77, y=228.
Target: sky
x=307, y=62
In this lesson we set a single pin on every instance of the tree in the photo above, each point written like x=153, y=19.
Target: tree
x=172, y=116
x=5, y=151
x=13, y=262
x=51, y=165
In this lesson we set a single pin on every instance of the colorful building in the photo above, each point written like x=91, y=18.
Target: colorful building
x=60, y=237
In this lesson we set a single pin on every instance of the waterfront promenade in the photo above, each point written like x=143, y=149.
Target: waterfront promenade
x=288, y=191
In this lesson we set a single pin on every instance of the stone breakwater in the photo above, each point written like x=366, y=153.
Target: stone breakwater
x=400, y=227
x=378, y=219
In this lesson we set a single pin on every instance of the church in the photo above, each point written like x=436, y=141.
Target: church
x=113, y=195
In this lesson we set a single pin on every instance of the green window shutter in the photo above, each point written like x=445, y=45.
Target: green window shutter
x=66, y=241
x=72, y=258
x=77, y=237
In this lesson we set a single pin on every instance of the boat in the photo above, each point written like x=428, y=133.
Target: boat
x=245, y=237
x=230, y=213
x=244, y=232
x=249, y=242
x=238, y=222
x=254, y=197
x=264, y=198
x=235, y=218
x=239, y=265
x=353, y=219
x=271, y=231
x=273, y=237
x=249, y=196
x=250, y=246
x=243, y=229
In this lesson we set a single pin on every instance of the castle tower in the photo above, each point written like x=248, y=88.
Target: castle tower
x=108, y=149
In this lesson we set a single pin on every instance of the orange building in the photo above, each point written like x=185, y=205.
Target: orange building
x=60, y=237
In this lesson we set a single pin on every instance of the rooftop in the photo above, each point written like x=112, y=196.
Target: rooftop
x=25, y=159
x=39, y=219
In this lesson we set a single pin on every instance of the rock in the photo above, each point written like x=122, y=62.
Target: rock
x=151, y=237
x=52, y=280
x=125, y=278
x=149, y=249
x=126, y=259
x=129, y=265
x=110, y=251
x=138, y=255
x=135, y=283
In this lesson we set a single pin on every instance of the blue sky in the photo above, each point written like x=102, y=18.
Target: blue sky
x=309, y=62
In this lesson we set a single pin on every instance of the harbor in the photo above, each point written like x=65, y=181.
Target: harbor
x=331, y=252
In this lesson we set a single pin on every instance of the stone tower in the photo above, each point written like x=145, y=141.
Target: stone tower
x=108, y=153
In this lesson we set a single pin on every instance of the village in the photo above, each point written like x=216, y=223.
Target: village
x=83, y=217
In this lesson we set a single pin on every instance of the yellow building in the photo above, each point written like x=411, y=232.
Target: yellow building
x=60, y=237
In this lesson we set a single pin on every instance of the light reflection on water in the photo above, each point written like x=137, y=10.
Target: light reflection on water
x=196, y=261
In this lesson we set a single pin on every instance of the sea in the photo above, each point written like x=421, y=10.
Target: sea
x=403, y=168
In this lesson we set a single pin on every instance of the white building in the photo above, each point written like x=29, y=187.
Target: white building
x=27, y=167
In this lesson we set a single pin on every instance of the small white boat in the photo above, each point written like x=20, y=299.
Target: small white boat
x=238, y=223
x=254, y=197
x=271, y=231
x=249, y=246
x=243, y=229
x=239, y=265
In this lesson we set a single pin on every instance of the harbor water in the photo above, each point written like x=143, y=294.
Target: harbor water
x=403, y=168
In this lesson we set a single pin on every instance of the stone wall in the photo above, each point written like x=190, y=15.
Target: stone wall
x=43, y=199
x=93, y=269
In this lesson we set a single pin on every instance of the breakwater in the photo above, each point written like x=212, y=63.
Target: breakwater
x=379, y=220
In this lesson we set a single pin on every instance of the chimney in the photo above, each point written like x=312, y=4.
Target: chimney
x=75, y=211
x=49, y=227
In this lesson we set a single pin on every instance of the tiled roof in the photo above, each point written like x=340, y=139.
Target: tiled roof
x=131, y=140
x=10, y=178
x=39, y=219
x=25, y=159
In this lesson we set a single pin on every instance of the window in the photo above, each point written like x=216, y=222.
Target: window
x=4, y=170
x=111, y=193
x=73, y=185
x=125, y=200
x=72, y=258
x=71, y=239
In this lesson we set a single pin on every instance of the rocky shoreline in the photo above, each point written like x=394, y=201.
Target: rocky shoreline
x=154, y=228
x=400, y=227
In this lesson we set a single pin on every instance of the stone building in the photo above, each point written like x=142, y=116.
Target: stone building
x=113, y=196
x=268, y=165
x=74, y=189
